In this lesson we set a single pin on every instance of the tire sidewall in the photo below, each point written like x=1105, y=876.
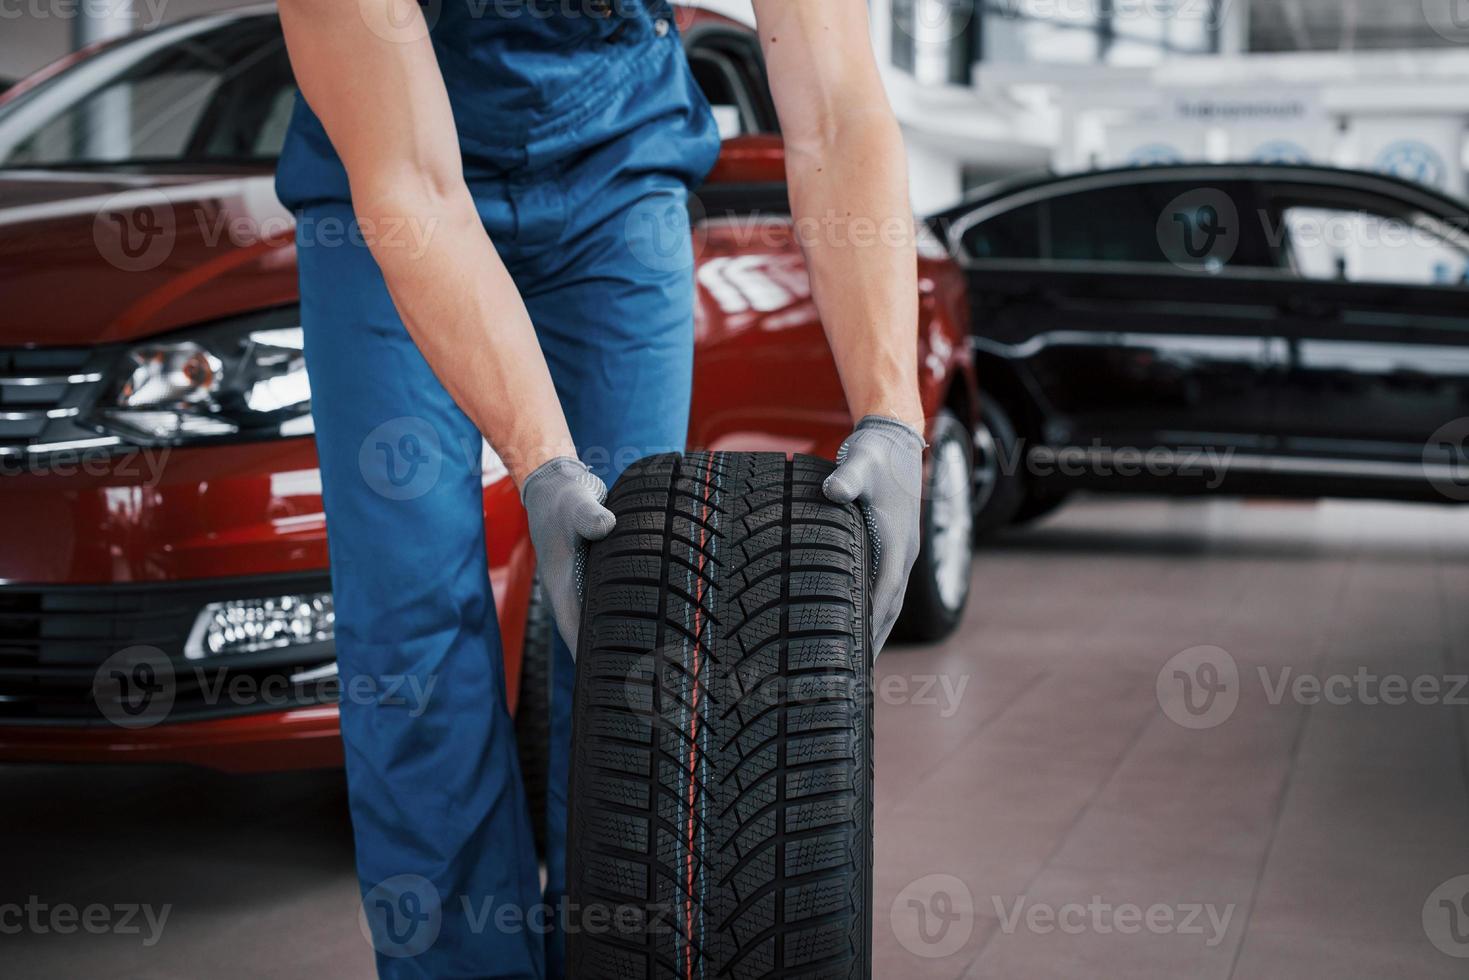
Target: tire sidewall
x=997, y=509
x=926, y=617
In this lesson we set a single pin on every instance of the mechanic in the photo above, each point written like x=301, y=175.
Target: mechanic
x=542, y=153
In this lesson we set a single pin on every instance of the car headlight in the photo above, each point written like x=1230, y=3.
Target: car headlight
x=241, y=379
x=254, y=625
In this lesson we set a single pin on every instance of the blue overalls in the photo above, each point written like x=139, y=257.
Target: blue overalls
x=582, y=131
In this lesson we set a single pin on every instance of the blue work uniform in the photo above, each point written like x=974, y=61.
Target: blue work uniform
x=582, y=131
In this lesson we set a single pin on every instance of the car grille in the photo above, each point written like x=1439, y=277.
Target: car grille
x=44, y=393
x=54, y=639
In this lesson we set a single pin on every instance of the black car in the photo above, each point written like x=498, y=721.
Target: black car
x=1235, y=329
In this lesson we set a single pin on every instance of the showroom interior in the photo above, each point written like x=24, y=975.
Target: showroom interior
x=1181, y=687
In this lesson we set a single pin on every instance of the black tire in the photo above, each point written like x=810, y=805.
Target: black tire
x=1037, y=507
x=721, y=783
x=533, y=709
x=999, y=484
x=937, y=589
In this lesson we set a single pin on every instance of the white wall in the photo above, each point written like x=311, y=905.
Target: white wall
x=32, y=35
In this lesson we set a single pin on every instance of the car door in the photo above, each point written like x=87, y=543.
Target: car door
x=1132, y=305
x=760, y=373
x=1377, y=336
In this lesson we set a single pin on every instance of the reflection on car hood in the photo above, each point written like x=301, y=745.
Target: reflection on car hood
x=88, y=257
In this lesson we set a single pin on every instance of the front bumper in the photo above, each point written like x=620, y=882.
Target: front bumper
x=302, y=738
x=104, y=555
x=61, y=647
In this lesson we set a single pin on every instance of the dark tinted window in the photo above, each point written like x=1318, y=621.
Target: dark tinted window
x=1013, y=235
x=223, y=94
x=1174, y=223
x=729, y=68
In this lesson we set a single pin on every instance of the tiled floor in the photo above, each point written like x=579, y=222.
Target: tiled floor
x=1052, y=800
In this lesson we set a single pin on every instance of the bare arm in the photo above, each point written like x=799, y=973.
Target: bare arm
x=368, y=71
x=849, y=195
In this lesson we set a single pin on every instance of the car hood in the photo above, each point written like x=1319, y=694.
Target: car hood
x=89, y=257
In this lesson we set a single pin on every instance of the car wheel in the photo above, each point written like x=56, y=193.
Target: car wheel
x=721, y=794
x=533, y=709
x=938, y=588
x=999, y=485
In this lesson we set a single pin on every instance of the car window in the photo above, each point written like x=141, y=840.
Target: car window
x=217, y=95
x=1015, y=234
x=1356, y=244
x=731, y=72
x=720, y=82
x=1143, y=222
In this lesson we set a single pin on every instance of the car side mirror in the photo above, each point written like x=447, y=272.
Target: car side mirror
x=754, y=159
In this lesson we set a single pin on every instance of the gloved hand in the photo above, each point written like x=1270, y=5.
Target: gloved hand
x=563, y=500
x=880, y=466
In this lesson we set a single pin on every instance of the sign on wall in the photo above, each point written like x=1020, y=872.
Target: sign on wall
x=1152, y=144
x=1280, y=124
x=1425, y=149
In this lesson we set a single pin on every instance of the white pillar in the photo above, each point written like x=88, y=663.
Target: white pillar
x=934, y=175
x=106, y=122
x=1234, y=27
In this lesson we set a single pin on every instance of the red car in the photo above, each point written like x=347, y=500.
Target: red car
x=140, y=235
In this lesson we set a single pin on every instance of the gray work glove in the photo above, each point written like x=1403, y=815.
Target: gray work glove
x=563, y=500
x=880, y=467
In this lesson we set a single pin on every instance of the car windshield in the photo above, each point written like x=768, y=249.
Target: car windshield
x=214, y=91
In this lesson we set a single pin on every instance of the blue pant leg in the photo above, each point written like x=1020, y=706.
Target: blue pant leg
x=613, y=308
x=438, y=810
